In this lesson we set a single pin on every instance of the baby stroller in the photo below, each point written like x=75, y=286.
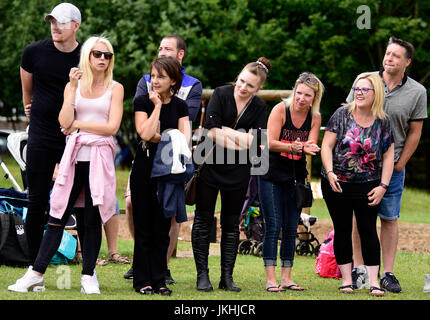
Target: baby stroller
x=307, y=244
x=252, y=222
x=253, y=227
x=17, y=146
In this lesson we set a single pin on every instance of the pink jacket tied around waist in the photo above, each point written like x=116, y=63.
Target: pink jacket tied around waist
x=102, y=175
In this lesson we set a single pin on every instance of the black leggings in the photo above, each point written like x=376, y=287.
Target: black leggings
x=231, y=204
x=40, y=168
x=341, y=207
x=88, y=221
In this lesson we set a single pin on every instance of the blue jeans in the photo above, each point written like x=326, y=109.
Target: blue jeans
x=278, y=202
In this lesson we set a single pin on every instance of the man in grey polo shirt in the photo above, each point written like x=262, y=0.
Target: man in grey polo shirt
x=406, y=105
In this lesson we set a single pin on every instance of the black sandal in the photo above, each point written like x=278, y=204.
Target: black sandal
x=163, y=291
x=146, y=290
x=348, y=286
x=377, y=294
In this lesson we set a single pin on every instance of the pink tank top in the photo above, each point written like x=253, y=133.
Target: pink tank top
x=91, y=110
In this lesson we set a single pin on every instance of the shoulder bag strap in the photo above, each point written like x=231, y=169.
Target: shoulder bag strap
x=242, y=112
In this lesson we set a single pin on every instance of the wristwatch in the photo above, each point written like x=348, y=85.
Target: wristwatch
x=383, y=185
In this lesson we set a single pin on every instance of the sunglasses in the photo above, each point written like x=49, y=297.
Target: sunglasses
x=309, y=80
x=98, y=54
x=61, y=26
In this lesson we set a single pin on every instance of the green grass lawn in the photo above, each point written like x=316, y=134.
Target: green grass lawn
x=249, y=271
x=249, y=275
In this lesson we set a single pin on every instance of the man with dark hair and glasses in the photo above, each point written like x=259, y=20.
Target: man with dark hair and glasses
x=191, y=91
x=406, y=105
x=45, y=67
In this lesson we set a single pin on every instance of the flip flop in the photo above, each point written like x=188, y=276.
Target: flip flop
x=348, y=286
x=293, y=287
x=270, y=289
x=377, y=294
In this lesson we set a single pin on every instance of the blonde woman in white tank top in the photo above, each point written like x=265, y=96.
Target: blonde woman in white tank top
x=93, y=107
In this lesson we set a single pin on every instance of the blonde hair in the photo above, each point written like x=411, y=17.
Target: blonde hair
x=312, y=81
x=84, y=63
x=378, y=103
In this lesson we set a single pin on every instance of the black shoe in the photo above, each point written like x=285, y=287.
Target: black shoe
x=129, y=274
x=200, y=242
x=229, y=285
x=229, y=246
x=168, y=277
x=203, y=281
x=390, y=283
x=163, y=291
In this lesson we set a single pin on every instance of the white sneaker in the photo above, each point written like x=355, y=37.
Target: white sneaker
x=427, y=283
x=30, y=281
x=362, y=278
x=90, y=284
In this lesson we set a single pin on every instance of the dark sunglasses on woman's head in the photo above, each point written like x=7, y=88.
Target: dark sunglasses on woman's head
x=308, y=78
x=98, y=54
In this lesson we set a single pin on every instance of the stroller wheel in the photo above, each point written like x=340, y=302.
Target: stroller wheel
x=317, y=250
x=244, y=247
x=305, y=248
x=259, y=250
x=253, y=247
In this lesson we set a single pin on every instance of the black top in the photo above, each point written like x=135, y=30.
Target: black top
x=228, y=172
x=281, y=164
x=50, y=68
x=169, y=114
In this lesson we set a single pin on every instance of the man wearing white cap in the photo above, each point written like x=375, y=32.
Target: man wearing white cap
x=45, y=67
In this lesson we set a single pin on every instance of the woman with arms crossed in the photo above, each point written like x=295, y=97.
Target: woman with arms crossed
x=228, y=170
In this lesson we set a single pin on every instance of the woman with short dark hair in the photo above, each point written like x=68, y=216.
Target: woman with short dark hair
x=154, y=113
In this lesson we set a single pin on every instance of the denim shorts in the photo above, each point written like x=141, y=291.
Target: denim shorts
x=390, y=204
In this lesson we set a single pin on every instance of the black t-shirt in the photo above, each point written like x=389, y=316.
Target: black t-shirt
x=282, y=166
x=50, y=68
x=222, y=111
x=169, y=114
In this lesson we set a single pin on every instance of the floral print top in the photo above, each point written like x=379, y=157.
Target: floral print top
x=357, y=155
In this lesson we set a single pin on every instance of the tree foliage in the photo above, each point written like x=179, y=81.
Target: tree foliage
x=320, y=36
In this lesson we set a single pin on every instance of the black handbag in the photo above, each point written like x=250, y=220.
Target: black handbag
x=304, y=195
x=191, y=185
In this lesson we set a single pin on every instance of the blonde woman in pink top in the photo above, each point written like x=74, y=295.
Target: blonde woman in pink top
x=90, y=117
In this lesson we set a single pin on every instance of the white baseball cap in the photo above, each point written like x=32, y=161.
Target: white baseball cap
x=65, y=12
